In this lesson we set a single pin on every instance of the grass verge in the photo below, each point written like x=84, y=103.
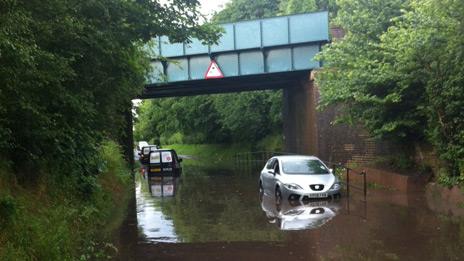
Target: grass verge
x=52, y=221
x=222, y=155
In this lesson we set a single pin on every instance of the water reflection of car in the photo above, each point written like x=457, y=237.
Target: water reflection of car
x=298, y=178
x=297, y=215
x=164, y=163
x=163, y=186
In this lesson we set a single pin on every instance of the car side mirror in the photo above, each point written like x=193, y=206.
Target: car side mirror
x=180, y=159
x=271, y=171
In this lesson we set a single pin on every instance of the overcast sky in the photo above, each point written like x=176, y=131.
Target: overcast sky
x=209, y=6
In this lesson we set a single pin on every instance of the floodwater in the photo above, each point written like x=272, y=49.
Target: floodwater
x=217, y=214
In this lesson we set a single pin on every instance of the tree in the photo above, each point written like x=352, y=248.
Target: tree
x=357, y=73
x=399, y=72
x=427, y=45
x=68, y=70
x=297, y=6
x=239, y=10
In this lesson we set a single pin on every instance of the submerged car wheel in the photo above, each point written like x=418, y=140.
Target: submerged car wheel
x=278, y=196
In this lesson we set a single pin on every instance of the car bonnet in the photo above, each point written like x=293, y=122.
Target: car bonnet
x=305, y=180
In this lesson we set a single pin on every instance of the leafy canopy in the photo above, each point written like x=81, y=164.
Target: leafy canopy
x=399, y=71
x=68, y=70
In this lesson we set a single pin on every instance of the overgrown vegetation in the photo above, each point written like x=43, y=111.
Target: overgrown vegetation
x=210, y=119
x=399, y=71
x=68, y=70
x=210, y=155
x=56, y=220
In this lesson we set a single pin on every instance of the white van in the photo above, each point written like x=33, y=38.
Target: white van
x=141, y=144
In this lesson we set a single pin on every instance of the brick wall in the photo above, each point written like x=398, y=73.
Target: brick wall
x=341, y=143
x=311, y=131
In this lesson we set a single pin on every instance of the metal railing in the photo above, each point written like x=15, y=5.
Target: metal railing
x=341, y=169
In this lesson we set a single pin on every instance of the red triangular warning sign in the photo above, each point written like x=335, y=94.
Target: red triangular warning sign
x=213, y=71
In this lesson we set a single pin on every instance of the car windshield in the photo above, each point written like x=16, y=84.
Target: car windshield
x=303, y=166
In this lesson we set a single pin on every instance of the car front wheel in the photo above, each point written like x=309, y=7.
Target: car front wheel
x=278, y=196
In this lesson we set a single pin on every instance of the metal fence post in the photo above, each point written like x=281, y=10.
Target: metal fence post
x=365, y=183
x=348, y=181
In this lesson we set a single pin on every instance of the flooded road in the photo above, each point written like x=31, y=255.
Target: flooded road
x=218, y=215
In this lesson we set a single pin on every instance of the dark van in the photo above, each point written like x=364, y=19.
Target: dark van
x=164, y=163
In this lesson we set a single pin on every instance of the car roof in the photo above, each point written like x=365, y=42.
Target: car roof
x=163, y=150
x=283, y=157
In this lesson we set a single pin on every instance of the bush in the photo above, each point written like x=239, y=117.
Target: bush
x=449, y=181
x=8, y=210
x=54, y=221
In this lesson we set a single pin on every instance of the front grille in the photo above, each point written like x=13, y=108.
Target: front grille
x=317, y=187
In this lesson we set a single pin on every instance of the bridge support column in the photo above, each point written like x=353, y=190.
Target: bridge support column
x=300, y=118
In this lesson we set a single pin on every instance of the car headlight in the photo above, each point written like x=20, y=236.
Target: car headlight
x=292, y=186
x=335, y=186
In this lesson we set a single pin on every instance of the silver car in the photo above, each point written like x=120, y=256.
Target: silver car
x=298, y=178
x=298, y=215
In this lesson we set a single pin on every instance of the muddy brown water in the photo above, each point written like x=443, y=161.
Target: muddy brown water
x=217, y=214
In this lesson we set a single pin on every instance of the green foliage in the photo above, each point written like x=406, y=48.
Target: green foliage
x=8, y=210
x=430, y=41
x=273, y=142
x=241, y=117
x=112, y=161
x=210, y=155
x=399, y=71
x=174, y=120
x=446, y=180
x=52, y=222
x=249, y=116
x=297, y=6
x=289, y=7
x=238, y=10
x=355, y=73
x=401, y=162
x=68, y=70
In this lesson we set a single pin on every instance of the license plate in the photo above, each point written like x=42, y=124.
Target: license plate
x=318, y=204
x=318, y=195
x=155, y=170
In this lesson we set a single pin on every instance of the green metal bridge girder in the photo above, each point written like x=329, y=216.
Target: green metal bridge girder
x=246, y=48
